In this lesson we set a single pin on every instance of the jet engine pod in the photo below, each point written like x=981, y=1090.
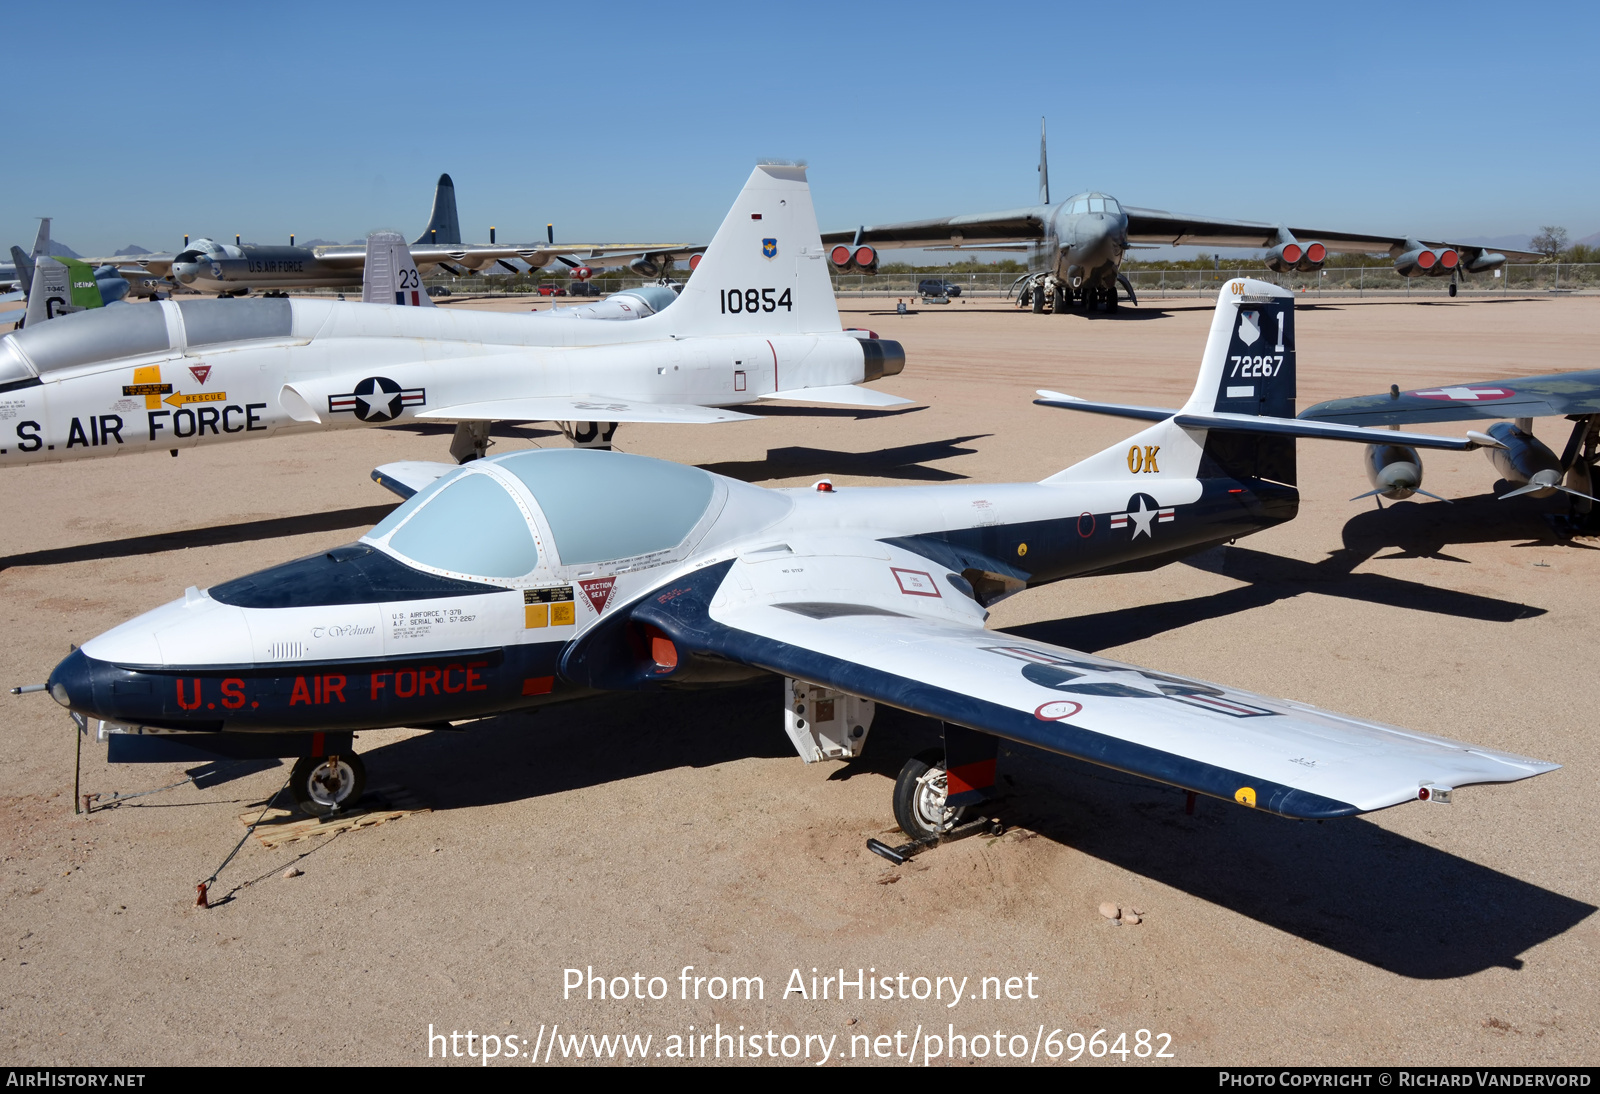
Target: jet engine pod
x=842, y=259
x=1425, y=262
x=1394, y=470
x=582, y=273
x=1312, y=257
x=1285, y=257
x=646, y=266
x=1486, y=260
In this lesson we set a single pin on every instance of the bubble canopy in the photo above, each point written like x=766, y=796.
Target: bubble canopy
x=479, y=521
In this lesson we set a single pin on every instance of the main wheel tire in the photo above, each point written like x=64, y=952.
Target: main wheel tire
x=1452, y=288
x=1038, y=300
x=324, y=785
x=919, y=795
x=1063, y=300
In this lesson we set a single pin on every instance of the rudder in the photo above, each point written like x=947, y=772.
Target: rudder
x=443, y=224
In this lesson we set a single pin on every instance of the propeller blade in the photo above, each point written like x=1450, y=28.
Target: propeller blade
x=1578, y=493
x=1368, y=494
x=1435, y=497
x=1529, y=489
x=570, y=264
x=550, y=234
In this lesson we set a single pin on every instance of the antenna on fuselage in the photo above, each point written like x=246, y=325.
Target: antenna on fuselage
x=1044, y=169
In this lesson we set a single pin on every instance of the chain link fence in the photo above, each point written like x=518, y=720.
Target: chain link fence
x=1356, y=281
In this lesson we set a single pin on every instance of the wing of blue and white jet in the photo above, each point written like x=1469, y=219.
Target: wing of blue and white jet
x=874, y=620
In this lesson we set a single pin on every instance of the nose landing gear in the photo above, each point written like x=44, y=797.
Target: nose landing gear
x=324, y=785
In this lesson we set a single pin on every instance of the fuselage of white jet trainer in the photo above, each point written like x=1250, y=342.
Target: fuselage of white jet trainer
x=183, y=373
x=419, y=623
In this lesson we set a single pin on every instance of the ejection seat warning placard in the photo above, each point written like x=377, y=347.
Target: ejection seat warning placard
x=553, y=607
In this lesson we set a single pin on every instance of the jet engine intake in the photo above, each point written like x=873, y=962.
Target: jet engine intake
x=1425, y=262
x=1285, y=257
x=1312, y=258
x=646, y=266
x=853, y=259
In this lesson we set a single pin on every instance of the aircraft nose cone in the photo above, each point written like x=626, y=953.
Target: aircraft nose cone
x=1400, y=476
x=72, y=683
x=186, y=272
x=1095, y=242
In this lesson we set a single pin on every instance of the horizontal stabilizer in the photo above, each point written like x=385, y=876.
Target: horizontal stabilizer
x=840, y=394
x=582, y=408
x=1281, y=427
x=406, y=477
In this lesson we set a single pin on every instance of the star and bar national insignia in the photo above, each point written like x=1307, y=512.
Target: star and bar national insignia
x=1142, y=512
x=377, y=399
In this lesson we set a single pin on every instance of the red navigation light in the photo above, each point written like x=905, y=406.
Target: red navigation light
x=1422, y=794
x=840, y=255
x=1316, y=252
x=1292, y=253
x=866, y=256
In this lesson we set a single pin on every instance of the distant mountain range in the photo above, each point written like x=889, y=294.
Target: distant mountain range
x=132, y=249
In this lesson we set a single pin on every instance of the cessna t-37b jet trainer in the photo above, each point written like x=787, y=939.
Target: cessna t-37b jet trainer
x=756, y=320
x=552, y=574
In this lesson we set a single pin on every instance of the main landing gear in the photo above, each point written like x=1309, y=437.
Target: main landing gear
x=937, y=790
x=324, y=785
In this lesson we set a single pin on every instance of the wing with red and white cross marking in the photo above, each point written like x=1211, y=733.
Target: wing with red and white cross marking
x=1525, y=397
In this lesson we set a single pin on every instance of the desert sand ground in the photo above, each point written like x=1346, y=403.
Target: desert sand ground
x=642, y=834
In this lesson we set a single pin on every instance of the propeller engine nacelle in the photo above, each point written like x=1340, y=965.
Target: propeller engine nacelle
x=1428, y=262
x=1394, y=470
x=647, y=265
x=1526, y=460
x=861, y=259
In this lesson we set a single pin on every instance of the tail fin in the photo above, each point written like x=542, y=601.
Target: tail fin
x=1248, y=367
x=764, y=272
x=41, y=242
x=390, y=276
x=443, y=225
x=1044, y=169
x=60, y=286
x=24, y=267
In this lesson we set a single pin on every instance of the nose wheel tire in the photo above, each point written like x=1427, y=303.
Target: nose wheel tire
x=324, y=785
x=1452, y=288
x=919, y=797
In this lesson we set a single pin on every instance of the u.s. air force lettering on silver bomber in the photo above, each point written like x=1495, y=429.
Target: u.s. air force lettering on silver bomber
x=377, y=399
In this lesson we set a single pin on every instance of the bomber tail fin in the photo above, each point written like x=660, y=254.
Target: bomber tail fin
x=1044, y=169
x=390, y=275
x=443, y=224
x=765, y=270
x=24, y=267
x=41, y=242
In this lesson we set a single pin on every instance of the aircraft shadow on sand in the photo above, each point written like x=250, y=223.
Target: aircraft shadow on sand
x=1349, y=886
x=1423, y=530
x=902, y=462
x=360, y=517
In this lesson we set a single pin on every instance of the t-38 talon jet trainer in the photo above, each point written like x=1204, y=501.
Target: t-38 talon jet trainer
x=551, y=574
x=756, y=320
x=1395, y=470
x=1086, y=237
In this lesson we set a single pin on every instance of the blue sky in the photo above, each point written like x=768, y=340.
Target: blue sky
x=641, y=121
